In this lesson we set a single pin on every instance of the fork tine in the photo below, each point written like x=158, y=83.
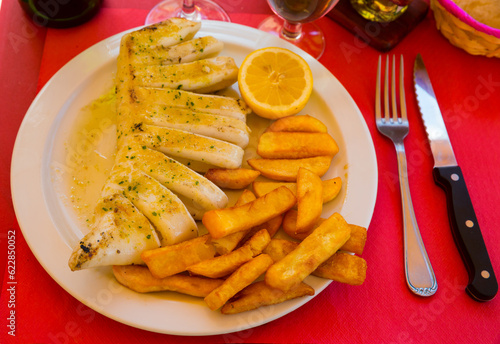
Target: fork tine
x=394, y=101
x=378, y=107
x=386, y=90
x=402, y=99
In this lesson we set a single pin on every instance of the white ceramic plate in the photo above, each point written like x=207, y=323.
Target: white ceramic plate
x=47, y=221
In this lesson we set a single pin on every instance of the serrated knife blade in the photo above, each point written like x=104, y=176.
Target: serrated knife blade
x=431, y=115
x=447, y=174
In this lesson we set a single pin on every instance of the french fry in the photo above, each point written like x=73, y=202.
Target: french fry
x=140, y=279
x=246, y=196
x=170, y=260
x=331, y=188
x=224, y=265
x=344, y=268
x=354, y=244
x=296, y=145
x=321, y=244
x=286, y=169
x=304, y=123
x=242, y=277
x=309, y=200
x=289, y=225
x=341, y=267
x=228, y=243
x=277, y=249
x=262, y=188
x=222, y=222
x=357, y=241
x=259, y=294
x=258, y=241
x=272, y=226
x=238, y=178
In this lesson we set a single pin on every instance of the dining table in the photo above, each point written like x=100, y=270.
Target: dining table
x=36, y=309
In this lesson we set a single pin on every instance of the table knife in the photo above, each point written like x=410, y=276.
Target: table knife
x=482, y=285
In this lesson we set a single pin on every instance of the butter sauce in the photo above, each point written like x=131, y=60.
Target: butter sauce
x=91, y=150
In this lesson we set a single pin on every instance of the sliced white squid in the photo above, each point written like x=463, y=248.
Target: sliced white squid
x=187, y=51
x=118, y=237
x=161, y=35
x=202, y=76
x=190, y=146
x=194, y=208
x=197, y=166
x=166, y=33
x=220, y=127
x=161, y=206
x=183, y=181
x=217, y=105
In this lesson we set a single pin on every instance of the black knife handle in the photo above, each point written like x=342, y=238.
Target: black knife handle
x=483, y=285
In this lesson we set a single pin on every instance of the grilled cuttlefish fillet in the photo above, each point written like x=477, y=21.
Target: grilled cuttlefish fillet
x=119, y=235
x=151, y=199
x=219, y=127
x=207, y=103
x=187, y=51
x=164, y=210
x=202, y=76
x=201, y=193
x=190, y=146
x=161, y=35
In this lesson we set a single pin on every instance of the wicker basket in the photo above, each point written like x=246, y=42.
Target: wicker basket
x=464, y=31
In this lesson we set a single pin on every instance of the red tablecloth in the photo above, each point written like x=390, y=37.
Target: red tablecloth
x=382, y=310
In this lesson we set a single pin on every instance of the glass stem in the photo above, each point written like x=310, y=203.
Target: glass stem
x=291, y=31
x=188, y=10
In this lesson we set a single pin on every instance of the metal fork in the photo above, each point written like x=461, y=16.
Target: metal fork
x=418, y=270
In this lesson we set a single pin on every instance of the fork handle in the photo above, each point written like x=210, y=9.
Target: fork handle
x=419, y=273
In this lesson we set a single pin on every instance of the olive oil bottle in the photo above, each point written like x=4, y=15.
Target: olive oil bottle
x=60, y=13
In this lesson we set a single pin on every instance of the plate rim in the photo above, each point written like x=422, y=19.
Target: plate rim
x=32, y=119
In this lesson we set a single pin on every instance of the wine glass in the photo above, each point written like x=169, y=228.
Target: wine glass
x=293, y=22
x=189, y=9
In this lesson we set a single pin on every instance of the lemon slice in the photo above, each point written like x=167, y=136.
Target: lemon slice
x=275, y=82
